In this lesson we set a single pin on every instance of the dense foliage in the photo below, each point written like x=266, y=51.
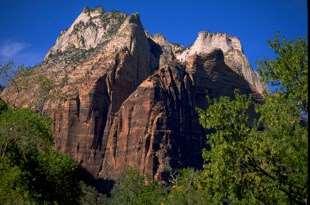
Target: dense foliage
x=31, y=171
x=289, y=71
x=134, y=189
x=255, y=162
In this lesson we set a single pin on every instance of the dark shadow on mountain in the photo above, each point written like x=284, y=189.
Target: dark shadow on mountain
x=103, y=186
x=212, y=78
x=156, y=51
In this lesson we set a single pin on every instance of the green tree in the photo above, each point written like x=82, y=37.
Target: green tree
x=3, y=106
x=90, y=196
x=12, y=186
x=134, y=189
x=264, y=162
x=186, y=189
x=289, y=71
x=31, y=171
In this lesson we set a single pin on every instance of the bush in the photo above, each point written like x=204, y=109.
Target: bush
x=31, y=171
x=135, y=189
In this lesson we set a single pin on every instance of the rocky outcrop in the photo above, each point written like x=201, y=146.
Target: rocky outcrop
x=91, y=28
x=120, y=97
x=156, y=129
x=233, y=55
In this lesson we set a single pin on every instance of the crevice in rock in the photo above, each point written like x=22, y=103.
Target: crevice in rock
x=78, y=106
x=147, y=145
x=128, y=132
x=99, y=111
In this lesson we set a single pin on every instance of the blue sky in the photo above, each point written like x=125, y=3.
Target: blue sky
x=29, y=27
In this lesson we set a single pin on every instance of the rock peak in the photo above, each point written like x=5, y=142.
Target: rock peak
x=92, y=27
x=207, y=41
x=93, y=10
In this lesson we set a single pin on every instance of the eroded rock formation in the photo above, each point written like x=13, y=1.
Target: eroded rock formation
x=120, y=97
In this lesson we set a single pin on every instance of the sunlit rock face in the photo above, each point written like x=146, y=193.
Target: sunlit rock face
x=121, y=97
x=90, y=28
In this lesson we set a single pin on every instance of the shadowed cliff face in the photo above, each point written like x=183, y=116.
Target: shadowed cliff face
x=232, y=52
x=214, y=78
x=124, y=98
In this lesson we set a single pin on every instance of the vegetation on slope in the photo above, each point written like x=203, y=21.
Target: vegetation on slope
x=30, y=169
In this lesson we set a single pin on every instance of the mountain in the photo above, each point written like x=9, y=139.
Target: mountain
x=119, y=96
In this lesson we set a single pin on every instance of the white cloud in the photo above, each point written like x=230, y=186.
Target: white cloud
x=19, y=53
x=9, y=49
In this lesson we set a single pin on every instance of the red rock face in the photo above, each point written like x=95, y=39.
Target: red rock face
x=155, y=129
x=128, y=101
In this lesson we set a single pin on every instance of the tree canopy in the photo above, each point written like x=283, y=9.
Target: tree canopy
x=31, y=170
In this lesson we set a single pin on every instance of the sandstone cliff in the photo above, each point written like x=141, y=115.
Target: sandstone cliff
x=120, y=97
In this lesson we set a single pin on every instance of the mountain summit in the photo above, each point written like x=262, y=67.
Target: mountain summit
x=121, y=97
